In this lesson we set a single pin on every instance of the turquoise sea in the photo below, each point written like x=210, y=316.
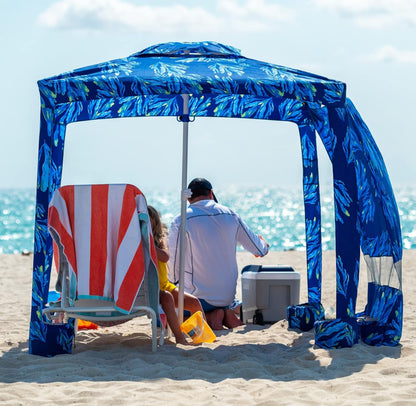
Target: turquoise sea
x=276, y=213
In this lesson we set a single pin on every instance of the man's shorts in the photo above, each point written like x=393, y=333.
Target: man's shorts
x=208, y=307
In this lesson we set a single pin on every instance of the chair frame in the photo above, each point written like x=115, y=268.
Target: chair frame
x=76, y=312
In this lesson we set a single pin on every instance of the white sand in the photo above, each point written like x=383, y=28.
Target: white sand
x=251, y=365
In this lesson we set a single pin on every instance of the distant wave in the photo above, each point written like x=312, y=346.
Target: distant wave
x=277, y=213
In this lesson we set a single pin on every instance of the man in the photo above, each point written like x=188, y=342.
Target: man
x=213, y=232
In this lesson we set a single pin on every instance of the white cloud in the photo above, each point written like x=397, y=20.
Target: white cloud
x=389, y=53
x=104, y=14
x=374, y=13
x=251, y=15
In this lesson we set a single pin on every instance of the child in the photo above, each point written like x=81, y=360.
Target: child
x=169, y=293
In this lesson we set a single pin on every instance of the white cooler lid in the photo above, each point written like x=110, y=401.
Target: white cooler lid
x=271, y=275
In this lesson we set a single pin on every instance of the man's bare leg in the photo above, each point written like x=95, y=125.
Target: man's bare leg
x=231, y=320
x=215, y=319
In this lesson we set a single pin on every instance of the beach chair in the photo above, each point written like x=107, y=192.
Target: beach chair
x=107, y=271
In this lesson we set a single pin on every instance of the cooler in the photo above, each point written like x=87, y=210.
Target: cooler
x=267, y=291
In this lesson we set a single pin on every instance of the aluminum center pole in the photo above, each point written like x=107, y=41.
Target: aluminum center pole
x=182, y=230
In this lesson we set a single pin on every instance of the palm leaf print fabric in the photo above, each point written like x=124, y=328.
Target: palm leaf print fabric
x=221, y=82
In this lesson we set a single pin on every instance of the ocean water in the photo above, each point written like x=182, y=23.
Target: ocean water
x=276, y=213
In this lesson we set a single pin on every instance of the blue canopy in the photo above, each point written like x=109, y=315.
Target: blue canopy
x=219, y=82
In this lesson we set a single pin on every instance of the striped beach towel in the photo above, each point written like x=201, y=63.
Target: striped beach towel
x=102, y=240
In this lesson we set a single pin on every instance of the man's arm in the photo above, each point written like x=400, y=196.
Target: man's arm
x=250, y=241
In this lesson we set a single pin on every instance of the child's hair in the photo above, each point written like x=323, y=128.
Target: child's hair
x=159, y=230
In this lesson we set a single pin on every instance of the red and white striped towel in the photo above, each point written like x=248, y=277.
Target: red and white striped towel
x=98, y=227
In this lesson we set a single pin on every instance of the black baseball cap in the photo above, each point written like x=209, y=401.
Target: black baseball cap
x=201, y=185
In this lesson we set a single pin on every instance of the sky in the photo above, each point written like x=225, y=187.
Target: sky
x=368, y=44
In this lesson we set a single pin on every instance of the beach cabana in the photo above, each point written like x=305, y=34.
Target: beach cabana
x=208, y=79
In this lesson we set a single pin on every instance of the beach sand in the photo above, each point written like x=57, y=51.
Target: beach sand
x=250, y=365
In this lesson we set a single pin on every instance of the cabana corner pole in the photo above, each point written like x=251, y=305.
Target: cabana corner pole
x=182, y=231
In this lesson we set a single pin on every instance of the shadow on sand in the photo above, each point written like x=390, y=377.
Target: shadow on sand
x=117, y=357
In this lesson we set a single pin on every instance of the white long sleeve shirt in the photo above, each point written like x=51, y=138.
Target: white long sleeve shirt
x=213, y=232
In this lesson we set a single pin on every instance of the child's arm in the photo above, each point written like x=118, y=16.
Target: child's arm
x=162, y=255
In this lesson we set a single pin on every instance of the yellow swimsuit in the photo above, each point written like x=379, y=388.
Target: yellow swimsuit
x=164, y=283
